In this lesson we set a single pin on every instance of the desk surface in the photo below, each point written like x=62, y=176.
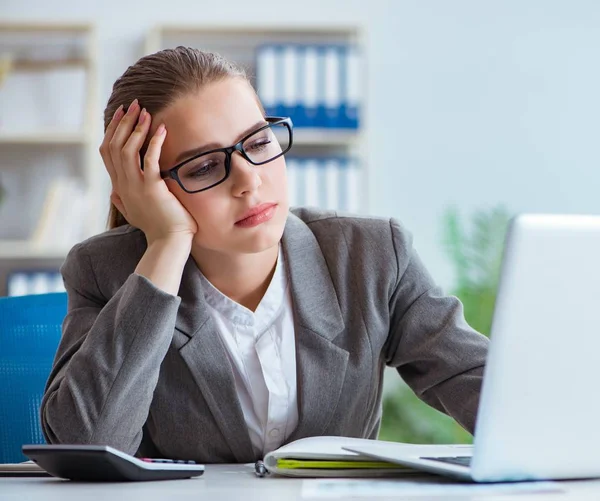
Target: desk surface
x=236, y=482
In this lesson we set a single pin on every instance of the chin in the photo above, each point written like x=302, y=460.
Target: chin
x=261, y=240
x=262, y=237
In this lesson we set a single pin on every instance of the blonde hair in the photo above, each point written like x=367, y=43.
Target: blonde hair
x=157, y=80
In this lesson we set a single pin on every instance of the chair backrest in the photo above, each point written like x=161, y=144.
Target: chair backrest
x=30, y=330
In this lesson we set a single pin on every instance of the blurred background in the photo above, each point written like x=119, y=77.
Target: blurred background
x=451, y=116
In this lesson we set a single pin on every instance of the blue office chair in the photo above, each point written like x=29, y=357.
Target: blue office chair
x=30, y=329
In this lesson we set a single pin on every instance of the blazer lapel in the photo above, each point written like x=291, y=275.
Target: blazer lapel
x=205, y=355
x=321, y=365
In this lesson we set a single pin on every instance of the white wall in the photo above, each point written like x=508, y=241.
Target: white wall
x=470, y=103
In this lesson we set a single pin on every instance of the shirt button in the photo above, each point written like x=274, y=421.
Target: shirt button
x=274, y=433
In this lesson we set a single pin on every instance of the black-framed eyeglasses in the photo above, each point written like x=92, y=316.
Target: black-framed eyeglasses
x=208, y=169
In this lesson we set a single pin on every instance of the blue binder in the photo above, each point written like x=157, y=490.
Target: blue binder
x=312, y=89
x=349, y=87
x=315, y=85
x=333, y=86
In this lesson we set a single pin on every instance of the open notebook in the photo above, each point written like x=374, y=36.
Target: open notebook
x=325, y=457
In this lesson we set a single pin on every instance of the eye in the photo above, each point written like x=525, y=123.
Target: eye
x=259, y=144
x=202, y=169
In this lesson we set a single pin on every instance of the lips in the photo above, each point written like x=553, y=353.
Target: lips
x=254, y=211
x=257, y=216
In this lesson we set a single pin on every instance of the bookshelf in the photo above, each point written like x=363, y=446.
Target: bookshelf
x=46, y=131
x=43, y=137
x=240, y=43
x=22, y=249
x=37, y=49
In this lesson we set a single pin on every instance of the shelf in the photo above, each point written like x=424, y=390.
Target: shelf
x=17, y=26
x=43, y=138
x=55, y=63
x=307, y=136
x=267, y=29
x=23, y=249
x=49, y=64
x=238, y=42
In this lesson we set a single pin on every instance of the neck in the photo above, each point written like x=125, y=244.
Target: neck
x=244, y=278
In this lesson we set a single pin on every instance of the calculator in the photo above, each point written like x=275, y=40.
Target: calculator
x=102, y=463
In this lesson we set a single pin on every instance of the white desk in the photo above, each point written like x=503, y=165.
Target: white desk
x=230, y=483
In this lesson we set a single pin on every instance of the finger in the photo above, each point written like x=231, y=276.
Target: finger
x=151, y=167
x=122, y=133
x=130, y=154
x=104, y=147
x=118, y=203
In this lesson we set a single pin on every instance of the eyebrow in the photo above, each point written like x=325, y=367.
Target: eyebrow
x=211, y=146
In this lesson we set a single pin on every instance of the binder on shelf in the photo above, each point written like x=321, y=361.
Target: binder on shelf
x=310, y=86
x=26, y=282
x=311, y=182
x=354, y=186
x=62, y=221
x=293, y=181
x=327, y=183
x=350, y=87
x=321, y=118
x=332, y=86
x=316, y=85
x=266, y=72
x=289, y=65
x=332, y=183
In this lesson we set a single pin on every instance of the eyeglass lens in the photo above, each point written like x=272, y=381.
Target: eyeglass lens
x=209, y=169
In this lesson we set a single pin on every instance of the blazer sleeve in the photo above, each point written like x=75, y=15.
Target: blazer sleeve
x=107, y=364
x=430, y=343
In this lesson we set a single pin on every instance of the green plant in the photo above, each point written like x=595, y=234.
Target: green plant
x=408, y=419
x=476, y=257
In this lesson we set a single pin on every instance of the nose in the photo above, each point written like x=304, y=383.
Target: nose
x=245, y=176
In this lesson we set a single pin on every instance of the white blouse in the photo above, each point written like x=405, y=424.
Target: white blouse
x=261, y=348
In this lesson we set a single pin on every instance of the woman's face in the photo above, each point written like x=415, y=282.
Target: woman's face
x=218, y=116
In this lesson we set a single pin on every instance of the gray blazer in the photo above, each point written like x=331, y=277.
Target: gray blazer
x=145, y=372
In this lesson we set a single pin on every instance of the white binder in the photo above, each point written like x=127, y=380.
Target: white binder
x=351, y=87
x=39, y=283
x=311, y=182
x=18, y=285
x=289, y=74
x=332, y=97
x=56, y=283
x=292, y=167
x=310, y=85
x=354, y=186
x=332, y=183
x=266, y=73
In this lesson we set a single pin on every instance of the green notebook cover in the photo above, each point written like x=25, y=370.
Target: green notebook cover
x=337, y=465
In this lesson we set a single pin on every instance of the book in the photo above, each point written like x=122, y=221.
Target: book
x=63, y=216
x=326, y=457
x=25, y=469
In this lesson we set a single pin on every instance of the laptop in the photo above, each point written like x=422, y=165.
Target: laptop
x=539, y=410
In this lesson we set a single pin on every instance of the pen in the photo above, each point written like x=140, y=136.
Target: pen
x=259, y=469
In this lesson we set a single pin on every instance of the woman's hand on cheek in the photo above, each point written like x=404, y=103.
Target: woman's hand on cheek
x=142, y=196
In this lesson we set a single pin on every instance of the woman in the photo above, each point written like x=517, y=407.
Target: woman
x=211, y=323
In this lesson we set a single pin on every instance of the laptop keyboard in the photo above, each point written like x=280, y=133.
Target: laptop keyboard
x=460, y=460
